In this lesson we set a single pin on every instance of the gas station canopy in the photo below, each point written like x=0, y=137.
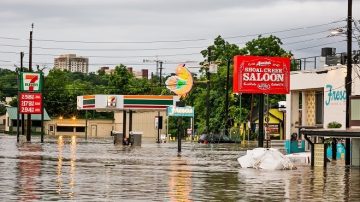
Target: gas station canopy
x=125, y=102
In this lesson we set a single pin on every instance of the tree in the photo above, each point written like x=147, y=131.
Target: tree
x=221, y=53
x=267, y=46
x=8, y=84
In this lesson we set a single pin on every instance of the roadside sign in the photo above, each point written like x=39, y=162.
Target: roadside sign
x=180, y=111
x=31, y=82
x=30, y=103
x=259, y=74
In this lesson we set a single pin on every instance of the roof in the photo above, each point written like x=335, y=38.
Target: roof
x=12, y=111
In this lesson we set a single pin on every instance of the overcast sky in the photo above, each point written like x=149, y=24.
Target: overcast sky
x=170, y=30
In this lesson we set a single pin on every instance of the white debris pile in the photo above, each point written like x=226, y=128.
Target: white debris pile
x=266, y=158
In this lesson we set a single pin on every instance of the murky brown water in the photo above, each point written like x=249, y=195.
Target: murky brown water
x=96, y=170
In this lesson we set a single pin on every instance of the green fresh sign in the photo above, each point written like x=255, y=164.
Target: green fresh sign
x=180, y=111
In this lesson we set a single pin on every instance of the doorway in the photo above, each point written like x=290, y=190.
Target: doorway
x=93, y=130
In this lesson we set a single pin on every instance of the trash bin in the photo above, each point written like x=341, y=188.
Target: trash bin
x=118, y=137
x=135, y=138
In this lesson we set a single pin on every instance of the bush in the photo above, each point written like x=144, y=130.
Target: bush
x=334, y=124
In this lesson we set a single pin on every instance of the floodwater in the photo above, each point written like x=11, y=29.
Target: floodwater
x=72, y=169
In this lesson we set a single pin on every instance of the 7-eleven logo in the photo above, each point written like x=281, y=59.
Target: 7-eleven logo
x=31, y=81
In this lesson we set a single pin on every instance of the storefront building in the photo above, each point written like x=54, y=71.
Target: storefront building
x=317, y=99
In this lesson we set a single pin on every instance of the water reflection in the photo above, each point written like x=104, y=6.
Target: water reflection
x=179, y=180
x=61, y=171
x=65, y=169
x=72, y=165
x=60, y=147
x=29, y=166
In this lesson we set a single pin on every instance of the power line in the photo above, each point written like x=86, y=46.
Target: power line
x=317, y=45
x=286, y=30
x=174, y=41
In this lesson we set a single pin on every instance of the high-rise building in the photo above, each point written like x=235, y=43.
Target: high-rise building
x=72, y=63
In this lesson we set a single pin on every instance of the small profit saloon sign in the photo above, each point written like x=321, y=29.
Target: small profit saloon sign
x=255, y=74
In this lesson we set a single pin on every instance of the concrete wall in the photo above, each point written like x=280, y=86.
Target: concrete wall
x=331, y=82
x=95, y=127
x=143, y=121
x=335, y=97
x=2, y=123
x=355, y=152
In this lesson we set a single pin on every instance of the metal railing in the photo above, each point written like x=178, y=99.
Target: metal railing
x=319, y=62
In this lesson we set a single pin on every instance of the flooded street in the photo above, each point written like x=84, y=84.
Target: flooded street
x=96, y=170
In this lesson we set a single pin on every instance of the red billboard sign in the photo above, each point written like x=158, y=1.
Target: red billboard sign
x=256, y=74
x=30, y=103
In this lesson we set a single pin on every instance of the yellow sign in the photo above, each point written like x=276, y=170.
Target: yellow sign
x=182, y=83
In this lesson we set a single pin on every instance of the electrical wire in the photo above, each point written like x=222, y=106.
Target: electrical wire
x=175, y=41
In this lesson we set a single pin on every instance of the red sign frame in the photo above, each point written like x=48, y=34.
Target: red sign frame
x=258, y=74
x=30, y=103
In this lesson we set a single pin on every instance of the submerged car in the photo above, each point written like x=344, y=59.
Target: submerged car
x=215, y=138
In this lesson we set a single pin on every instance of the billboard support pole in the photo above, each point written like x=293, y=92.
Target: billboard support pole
x=22, y=115
x=42, y=109
x=261, y=121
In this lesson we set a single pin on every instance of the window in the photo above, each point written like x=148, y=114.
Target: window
x=80, y=129
x=64, y=129
x=319, y=107
x=51, y=128
x=13, y=122
x=36, y=123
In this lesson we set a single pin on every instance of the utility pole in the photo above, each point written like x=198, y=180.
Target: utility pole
x=28, y=132
x=348, y=79
x=18, y=108
x=42, y=108
x=160, y=79
x=208, y=93
x=227, y=98
x=160, y=84
x=22, y=115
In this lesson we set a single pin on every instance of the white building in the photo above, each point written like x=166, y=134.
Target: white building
x=72, y=63
x=318, y=97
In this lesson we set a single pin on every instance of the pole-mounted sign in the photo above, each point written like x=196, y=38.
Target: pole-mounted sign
x=266, y=75
x=180, y=111
x=30, y=82
x=30, y=103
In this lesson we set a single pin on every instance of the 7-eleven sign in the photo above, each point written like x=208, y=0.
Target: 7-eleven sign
x=30, y=81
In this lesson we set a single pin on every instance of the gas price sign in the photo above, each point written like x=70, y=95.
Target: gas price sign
x=30, y=103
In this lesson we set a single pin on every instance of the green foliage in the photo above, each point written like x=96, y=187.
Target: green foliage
x=266, y=46
x=222, y=52
x=2, y=109
x=8, y=84
x=61, y=88
x=334, y=124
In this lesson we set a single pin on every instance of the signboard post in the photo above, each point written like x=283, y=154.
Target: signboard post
x=261, y=75
x=319, y=155
x=30, y=98
x=180, y=112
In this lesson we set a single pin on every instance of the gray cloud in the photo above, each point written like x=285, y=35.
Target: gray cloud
x=154, y=20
